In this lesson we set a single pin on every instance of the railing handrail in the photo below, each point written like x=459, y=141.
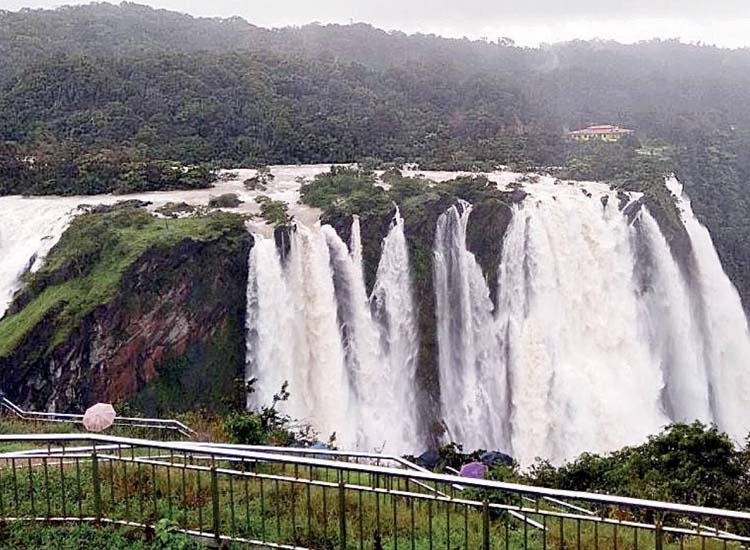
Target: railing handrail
x=322, y=452
x=596, y=498
x=158, y=423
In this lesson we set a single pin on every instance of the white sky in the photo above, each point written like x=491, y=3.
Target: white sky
x=528, y=22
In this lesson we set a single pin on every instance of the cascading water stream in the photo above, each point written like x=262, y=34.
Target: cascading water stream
x=293, y=333
x=349, y=363
x=30, y=228
x=581, y=375
x=676, y=339
x=597, y=339
x=393, y=308
x=366, y=363
x=561, y=366
x=727, y=348
x=472, y=386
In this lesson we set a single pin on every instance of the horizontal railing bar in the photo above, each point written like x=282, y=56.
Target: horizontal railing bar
x=569, y=505
x=710, y=529
x=280, y=450
x=527, y=520
x=393, y=472
x=321, y=452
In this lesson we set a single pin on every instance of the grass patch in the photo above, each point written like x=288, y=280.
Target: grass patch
x=90, y=537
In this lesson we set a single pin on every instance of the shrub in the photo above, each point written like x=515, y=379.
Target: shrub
x=246, y=428
x=227, y=200
x=687, y=463
x=339, y=183
x=274, y=212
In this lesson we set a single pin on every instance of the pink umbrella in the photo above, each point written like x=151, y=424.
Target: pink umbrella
x=99, y=417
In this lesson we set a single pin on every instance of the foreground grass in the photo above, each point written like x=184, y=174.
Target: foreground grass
x=24, y=536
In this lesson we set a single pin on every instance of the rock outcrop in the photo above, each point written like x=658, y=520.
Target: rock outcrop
x=169, y=338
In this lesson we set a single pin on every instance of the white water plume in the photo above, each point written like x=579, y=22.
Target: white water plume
x=669, y=319
x=293, y=333
x=562, y=365
x=393, y=307
x=350, y=365
x=472, y=387
x=727, y=351
x=29, y=229
x=582, y=378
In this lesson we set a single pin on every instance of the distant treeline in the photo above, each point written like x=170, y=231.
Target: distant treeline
x=94, y=97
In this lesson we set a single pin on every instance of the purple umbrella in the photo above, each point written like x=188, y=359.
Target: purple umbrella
x=473, y=469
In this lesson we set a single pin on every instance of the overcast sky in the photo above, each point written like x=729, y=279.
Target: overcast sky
x=528, y=22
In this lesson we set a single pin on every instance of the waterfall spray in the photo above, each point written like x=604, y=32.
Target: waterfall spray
x=727, y=350
x=471, y=366
x=349, y=361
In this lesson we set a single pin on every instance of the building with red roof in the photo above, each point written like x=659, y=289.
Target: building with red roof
x=602, y=132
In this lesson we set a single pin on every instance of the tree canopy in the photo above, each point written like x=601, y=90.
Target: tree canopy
x=102, y=98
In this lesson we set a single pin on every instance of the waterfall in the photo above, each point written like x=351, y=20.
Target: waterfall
x=393, y=308
x=293, y=333
x=349, y=359
x=561, y=364
x=669, y=320
x=582, y=378
x=727, y=351
x=30, y=228
x=473, y=389
x=365, y=361
x=597, y=339
x=355, y=243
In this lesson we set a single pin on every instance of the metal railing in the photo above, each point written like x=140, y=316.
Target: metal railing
x=270, y=499
x=174, y=426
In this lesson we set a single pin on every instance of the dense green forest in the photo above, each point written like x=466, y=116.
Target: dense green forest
x=102, y=98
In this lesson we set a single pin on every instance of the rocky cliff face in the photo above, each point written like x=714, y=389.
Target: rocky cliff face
x=169, y=337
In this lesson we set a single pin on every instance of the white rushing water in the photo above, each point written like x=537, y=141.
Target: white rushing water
x=28, y=231
x=350, y=366
x=598, y=337
x=32, y=225
x=392, y=303
x=727, y=339
x=293, y=333
x=472, y=375
x=673, y=329
x=581, y=377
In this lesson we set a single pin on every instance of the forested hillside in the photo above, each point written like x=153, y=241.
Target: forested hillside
x=112, y=98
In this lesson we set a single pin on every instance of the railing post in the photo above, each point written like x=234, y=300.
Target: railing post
x=342, y=512
x=485, y=525
x=215, y=502
x=659, y=533
x=97, y=485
